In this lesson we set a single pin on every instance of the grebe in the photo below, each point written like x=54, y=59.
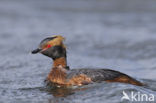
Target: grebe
x=61, y=75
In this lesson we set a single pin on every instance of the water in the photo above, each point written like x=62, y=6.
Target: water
x=97, y=36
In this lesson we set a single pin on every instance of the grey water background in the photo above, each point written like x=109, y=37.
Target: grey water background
x=115, y=34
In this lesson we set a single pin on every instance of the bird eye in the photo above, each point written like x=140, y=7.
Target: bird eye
x=48, y=46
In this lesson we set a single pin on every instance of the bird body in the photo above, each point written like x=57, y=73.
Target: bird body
x=61, y=75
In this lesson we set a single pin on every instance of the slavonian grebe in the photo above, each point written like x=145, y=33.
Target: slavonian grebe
x=61, y=75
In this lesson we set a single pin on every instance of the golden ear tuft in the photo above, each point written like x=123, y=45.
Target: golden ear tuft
x=59, y=37
x=57, y=41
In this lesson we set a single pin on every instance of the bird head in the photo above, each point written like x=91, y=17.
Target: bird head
x=52, y=47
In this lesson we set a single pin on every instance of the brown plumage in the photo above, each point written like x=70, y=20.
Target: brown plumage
x=126, y=79
x=60, y=61
x=54, y=48
x=58, y=75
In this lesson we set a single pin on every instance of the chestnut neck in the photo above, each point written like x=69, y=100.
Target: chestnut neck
x=60, y=62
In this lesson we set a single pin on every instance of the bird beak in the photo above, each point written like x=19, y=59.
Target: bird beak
x=36, y=51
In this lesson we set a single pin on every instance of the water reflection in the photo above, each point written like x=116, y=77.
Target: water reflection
x=60, y=92
x=63, y=91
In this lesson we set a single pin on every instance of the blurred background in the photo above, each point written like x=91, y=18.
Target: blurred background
x=115, y=34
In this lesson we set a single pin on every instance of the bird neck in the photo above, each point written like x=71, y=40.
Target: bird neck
x=62, y=61
x=58, y=71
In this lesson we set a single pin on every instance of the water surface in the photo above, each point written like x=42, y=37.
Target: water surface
x=96, y=37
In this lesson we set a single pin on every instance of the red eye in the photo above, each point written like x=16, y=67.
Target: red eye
x=48, y=46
